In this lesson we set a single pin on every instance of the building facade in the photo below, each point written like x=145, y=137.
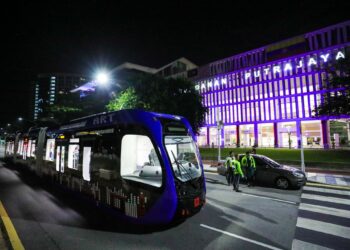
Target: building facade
x=267, y=96
x=51, y=89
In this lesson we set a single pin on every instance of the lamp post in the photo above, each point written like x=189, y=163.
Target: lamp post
x=219, y=127
x=302, y=152
x=21, y=119
x=289, y=133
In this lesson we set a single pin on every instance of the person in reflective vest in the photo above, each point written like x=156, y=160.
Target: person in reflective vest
x=237, y=173
x=229, y=170
x=248, y=163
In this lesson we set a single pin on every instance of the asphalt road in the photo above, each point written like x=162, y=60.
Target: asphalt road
x=47, y=218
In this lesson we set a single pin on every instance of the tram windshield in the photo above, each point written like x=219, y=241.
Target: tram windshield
x=183, y=157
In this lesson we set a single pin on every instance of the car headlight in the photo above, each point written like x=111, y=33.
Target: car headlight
x=297, y=174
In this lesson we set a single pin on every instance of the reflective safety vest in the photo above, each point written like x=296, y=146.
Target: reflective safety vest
x=245, y=161
x=228, y=162
x=238, y=169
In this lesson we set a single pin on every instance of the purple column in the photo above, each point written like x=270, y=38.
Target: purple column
x=275, y=134
x=298, y=130
x=325, y=134
x=237, y=135
x=256, y=135
x=208, y=140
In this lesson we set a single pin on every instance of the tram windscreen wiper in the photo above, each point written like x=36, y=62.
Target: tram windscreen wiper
x=179, y=165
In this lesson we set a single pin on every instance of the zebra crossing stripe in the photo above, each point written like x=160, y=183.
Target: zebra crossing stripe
x=337, y=187
x=325, y=210
x=325, y=198
x=299, y=244
x=324, y=227
x=326, y=190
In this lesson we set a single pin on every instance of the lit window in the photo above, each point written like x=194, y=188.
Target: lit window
x=139, y=160
x=50, y=150
x=73, y=156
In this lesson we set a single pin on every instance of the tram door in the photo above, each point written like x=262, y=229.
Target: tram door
x=60, y=158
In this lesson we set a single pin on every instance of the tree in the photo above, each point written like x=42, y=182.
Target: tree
x=171, y=96
x=127, y=99
x=337, y=97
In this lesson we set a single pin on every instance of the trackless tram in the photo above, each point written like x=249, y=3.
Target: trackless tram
x=143, y=165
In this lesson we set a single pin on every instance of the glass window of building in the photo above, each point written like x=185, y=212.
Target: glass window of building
x=247, y=135
x=266, y=135
x=230, y=136
x=287, y=134
x=312, y=133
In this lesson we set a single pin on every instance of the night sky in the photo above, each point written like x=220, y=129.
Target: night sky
x=78, y=37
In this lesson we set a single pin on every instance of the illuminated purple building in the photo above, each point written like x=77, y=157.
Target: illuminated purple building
x=266, y=96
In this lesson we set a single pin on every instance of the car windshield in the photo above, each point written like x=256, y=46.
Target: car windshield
x=272, y=162
x=183, y=157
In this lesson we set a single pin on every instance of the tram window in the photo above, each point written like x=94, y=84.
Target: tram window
x=86, y=163
x=50, y=150
x=139, y=160
x=73, y=156
x=105, y=156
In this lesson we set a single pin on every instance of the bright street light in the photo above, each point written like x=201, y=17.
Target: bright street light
x=20, y=119
x=102, y=77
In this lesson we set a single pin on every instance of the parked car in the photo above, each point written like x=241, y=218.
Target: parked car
x=272, y=173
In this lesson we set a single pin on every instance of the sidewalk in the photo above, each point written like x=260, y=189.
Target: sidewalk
x=321, y=176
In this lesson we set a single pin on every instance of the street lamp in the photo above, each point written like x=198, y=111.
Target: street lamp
x=102, y=77
x=21, y=119
x=219, y=124
x=302, y=152
x=289, y=132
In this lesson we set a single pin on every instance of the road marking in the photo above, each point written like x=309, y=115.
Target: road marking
x=324, y=227
x=325, y=210
x=268, y=198
x=10, y=229
x=327, y=186
x=299, y=244
x=240, y=237
x=326, y=198
x=327, y=190
x=211, y=173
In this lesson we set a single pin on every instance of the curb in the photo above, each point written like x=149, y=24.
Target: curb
x=321, y=184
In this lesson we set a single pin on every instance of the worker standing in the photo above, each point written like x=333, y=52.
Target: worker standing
x=229, y=168
x=237, y=173
x=248, y=163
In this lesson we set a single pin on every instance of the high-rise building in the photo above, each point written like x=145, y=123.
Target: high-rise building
x=266, y=96
x=51, y=89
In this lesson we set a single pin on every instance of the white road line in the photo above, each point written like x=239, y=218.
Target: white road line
x=211, y=173
x=303, y=245
x=326, y=198
x=268, y=198
x=324, y=227
x=325, y=210
x=327, y=190
x=240, y=237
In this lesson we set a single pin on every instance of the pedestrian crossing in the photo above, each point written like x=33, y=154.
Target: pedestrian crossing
x=323, y=219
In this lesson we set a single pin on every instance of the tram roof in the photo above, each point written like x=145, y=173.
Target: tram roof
x=116, y=117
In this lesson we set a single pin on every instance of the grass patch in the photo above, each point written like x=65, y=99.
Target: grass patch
x=313, y=157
